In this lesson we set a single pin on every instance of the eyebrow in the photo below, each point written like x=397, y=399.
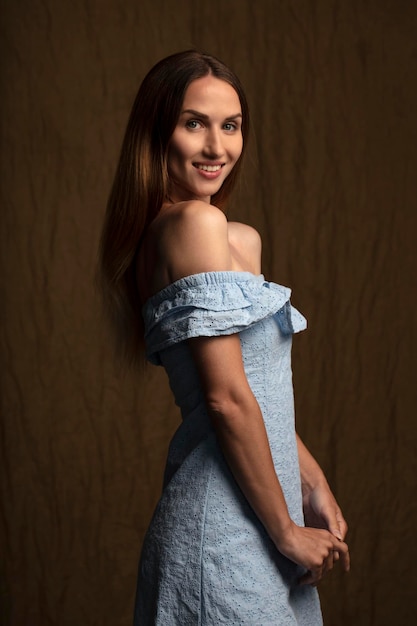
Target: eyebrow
x=206, y=117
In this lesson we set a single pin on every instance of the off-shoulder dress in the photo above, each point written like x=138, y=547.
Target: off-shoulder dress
x=206, y=558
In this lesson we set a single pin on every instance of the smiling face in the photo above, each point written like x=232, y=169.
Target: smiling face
x=207, y=140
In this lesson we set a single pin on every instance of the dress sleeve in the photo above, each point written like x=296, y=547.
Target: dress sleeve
x=212, y=304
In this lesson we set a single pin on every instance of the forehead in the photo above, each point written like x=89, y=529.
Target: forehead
x=210, y=92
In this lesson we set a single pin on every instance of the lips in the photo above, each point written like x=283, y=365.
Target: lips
x=209, y=171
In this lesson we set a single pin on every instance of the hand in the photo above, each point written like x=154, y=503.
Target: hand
x=322, y=511
x=314, y=549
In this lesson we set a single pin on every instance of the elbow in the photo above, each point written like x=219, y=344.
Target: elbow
x=227, y=410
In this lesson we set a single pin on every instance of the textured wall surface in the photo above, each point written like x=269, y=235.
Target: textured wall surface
x=329, y=183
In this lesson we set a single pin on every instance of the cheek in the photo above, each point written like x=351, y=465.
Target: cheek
x=238, y=147
x=181, y=148
x=175, y=158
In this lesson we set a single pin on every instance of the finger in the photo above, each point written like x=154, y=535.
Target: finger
x=345, y=560
x=335, y=530
x=343, y=554
x=343, y=527
x=336, y=524
x=329, y=562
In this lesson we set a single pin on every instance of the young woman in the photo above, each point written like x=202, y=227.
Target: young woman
x=228, y=542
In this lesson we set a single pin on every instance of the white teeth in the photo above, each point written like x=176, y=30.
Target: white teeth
x=208, y=168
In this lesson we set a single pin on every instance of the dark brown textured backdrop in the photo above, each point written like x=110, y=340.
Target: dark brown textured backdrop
x=330, y=184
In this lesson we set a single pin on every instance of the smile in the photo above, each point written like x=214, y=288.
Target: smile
x=208, y=168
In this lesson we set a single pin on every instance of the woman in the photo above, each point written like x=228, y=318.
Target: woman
x=227, y=543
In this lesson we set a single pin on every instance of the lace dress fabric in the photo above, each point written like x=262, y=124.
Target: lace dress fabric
x=206, y=558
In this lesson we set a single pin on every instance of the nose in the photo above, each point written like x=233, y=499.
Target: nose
x=214, y=143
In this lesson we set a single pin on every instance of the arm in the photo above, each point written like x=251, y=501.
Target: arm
x=240, y=429
x=320, y=507
x=197, y=241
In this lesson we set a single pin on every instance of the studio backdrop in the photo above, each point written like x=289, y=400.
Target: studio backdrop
x=329, y=182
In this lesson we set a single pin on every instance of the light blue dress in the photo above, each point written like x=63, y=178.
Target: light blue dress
x=206, y=558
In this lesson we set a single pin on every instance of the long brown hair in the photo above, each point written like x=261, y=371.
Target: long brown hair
x=140, y=185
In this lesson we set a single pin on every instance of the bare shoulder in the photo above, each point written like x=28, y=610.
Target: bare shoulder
x=246, y=246
x=192, y=237
x=180, y=222
x=194, y=214
x=245, y=235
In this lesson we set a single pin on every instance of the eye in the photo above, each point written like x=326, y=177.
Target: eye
x=193, y=124
x=230, y=126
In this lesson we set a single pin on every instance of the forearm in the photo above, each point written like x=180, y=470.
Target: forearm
x=243, y=439
x=320, y=507
x=311, y=473
x=240, y=430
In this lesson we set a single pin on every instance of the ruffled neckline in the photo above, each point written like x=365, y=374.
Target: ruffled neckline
x=201, y=278
x=215, y=303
